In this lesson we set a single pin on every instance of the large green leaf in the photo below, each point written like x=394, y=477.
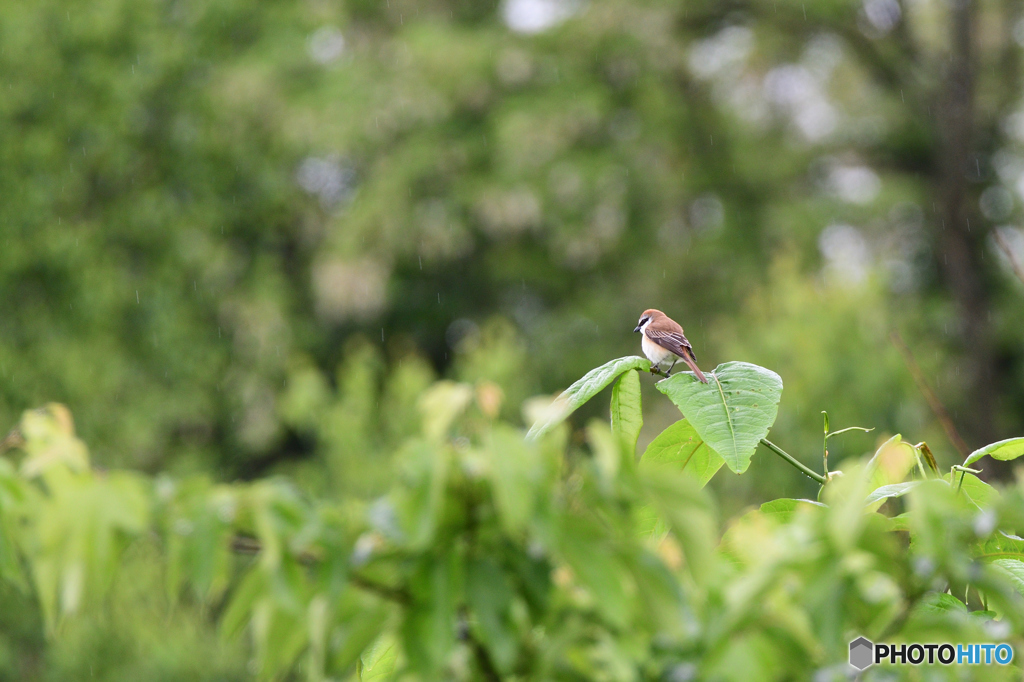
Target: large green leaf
x=976, y=490
x=785, y=508
x=627, y=415
x=1011, y=448
x=733, y=411
x=892, y=490
x=592, y=383
x=1000, y=546
x=1013, y=569
x=680, y=447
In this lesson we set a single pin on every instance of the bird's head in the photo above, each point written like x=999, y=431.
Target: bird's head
x=648, y=316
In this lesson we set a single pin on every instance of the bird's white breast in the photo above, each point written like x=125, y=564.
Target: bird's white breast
x=653, y=351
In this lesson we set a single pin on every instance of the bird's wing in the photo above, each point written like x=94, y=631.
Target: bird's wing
x=673, y=341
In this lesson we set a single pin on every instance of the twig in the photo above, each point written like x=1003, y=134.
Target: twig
x=1005, y=246
x=933, y=401
x=793, y=460
x=394, y=594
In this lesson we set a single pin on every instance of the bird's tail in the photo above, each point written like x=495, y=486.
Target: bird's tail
x=696, y=370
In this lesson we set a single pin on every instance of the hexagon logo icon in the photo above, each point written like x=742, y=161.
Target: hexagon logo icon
x=861, y=653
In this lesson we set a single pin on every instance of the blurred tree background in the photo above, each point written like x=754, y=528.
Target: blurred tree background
x=236, y=237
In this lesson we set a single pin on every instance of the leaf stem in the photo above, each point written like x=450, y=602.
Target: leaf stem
x=792, y=460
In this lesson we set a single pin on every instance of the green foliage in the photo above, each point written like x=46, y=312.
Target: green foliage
x=498, y=555
x=732, y=412
x=592, y=383
x=681, y=447
x=626, y=409
x=1008, y=449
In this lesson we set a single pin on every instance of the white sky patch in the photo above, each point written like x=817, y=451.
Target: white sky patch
x=847, y=257
x=326, y=45
x=854, y=184
x=795, y=91
x=723, y=54
x=535, y=16
x=327, y=179
x=878, y=17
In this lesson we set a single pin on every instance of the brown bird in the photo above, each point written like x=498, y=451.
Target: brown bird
x=663, y=339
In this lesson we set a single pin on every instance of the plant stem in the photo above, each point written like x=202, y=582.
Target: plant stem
x=792, y=460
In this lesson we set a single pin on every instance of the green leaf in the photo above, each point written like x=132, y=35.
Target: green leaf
x=379, y=660
x=976, y=490
x=253, y=587
x=733, y=411
x=1008, y=449
x=682, y=449
x=356, y=632
x=592, y=383
x=515, y=473
x=1000, y=546
x=586, y=550
x=490, y=599
x=661, y=595
x=941, y=603
x=627, y=416
x=428, y=631
x=1013, y=570
x=679, y=500
x=891, y=490
x=419, y=501
x=783, y=509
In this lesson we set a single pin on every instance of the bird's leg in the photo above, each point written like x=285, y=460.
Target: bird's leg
x=669, y=372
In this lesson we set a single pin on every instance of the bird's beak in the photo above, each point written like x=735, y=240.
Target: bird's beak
x=637, y=328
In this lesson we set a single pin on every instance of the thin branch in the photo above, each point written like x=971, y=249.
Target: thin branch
x=394, y=594
x=933, y=401
x=1005, y=246
x=244, y=544
x=793, y=460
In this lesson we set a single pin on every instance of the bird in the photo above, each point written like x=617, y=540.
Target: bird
x=662, y=338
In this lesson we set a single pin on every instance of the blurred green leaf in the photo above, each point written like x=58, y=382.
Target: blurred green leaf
x=592, y=383
x=380, y=659
x=732, y=412
x=419, y=501
x=681, y=448
x=359, y=631
x=516, y=473
x=941, y=602
x=428, y=629
x=1014, y=571
x=680, y=500
x=627, y=415
x=489, y=596
x=892, y=490
x=979, y=492
x=783, y=509
x=440, y=405
x=587, y=550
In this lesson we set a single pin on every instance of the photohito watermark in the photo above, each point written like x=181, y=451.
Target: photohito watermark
x=865, y=653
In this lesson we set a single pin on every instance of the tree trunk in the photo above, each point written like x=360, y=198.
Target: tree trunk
x=960, y=246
